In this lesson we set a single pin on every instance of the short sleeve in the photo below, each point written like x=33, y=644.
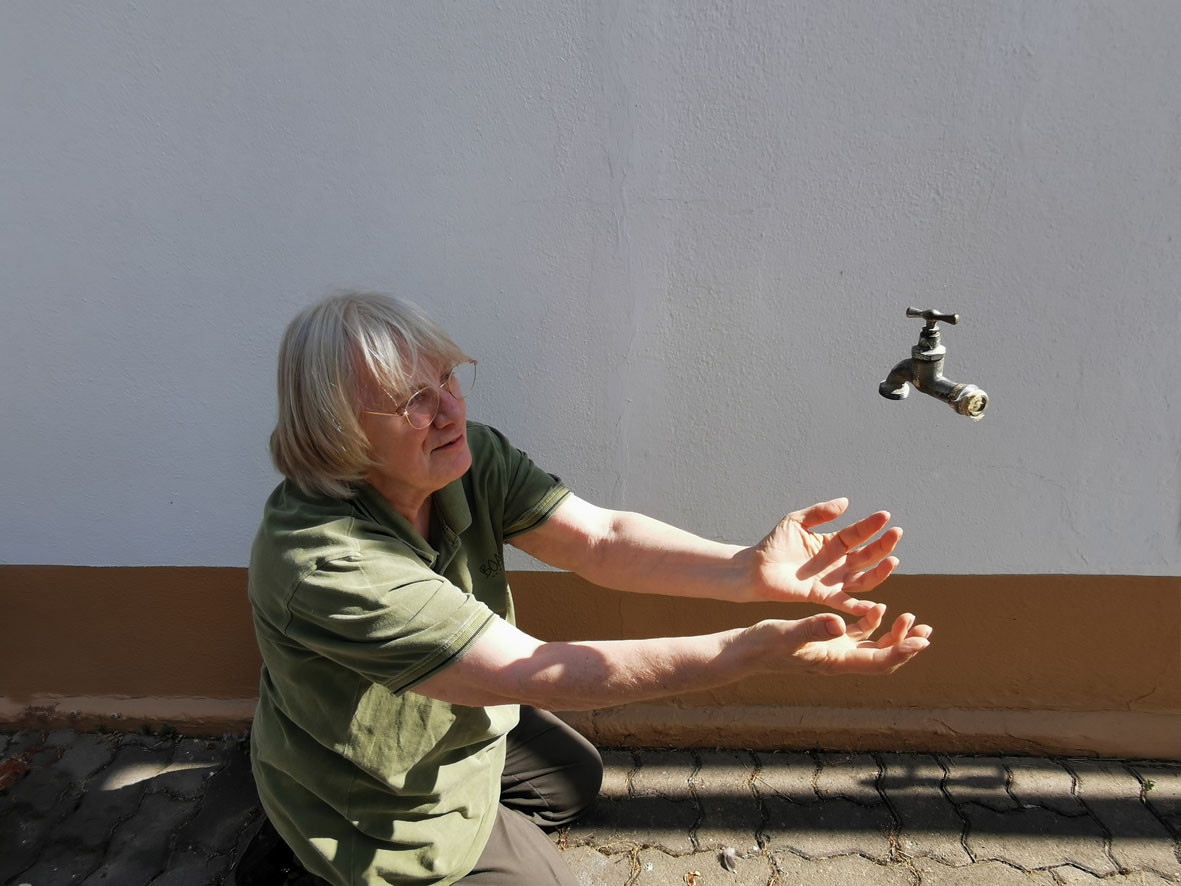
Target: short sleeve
x=397, y=631
x=530, y=494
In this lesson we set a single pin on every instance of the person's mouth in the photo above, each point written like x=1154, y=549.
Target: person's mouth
x=450, y=444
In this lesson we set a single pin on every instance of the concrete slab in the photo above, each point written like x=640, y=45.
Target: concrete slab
x=166, y=811
x=87, y=755
x=193, y=764
x=60, y=865
x=135, y=763
x=637, y=821
x=843, y=871
x=1036, y=781
x=194, y=868
x=228, y=806
x=22, y=843
x=1037, y=838
x=851, y=776
x=138, y=850
x=1069, y=876
x=731, y=814
x=787, y=774
x=1162, y=786
x=832, y=828
x=42, y=786
x=701, y=869
x=980, y=780
x=618, y=767
x=663, y=774
x=928, y=823
x=1115, y=797
x=594, y=868
x=985, y=873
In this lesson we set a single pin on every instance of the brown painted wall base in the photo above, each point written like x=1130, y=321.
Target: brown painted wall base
x=1042, y=663
x=762, y=727
x=766, y=727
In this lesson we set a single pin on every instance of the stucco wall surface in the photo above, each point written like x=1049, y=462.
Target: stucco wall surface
x=680, y=237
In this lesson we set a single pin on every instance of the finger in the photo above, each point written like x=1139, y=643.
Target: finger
x=902, y=626
x=905, y=651
x=822, y=512
x=842, y=601
x=864, y=582
x=923, y=631
x=875, y=551
x=839, y=545
x=868, y=623
x=870, y=660
x=857, y=534
x=899, y=630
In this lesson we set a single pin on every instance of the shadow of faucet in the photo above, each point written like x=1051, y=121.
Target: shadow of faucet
x=924, y=369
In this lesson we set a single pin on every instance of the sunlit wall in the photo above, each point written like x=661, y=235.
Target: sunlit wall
x=680, y=237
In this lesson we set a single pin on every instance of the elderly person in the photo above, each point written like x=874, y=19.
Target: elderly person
x=402, y=733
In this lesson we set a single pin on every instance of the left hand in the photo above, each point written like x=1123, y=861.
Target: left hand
x=796, y=564
x=853, y=651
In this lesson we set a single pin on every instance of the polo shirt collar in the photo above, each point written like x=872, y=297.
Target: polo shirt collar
x=450, y=506
x=449, y=511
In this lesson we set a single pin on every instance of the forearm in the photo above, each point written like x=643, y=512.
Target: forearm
x=502, y=668
x=631, y=552
x=644, y=555
x=586, y=675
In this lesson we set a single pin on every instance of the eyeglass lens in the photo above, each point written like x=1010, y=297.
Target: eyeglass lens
x=422, y=408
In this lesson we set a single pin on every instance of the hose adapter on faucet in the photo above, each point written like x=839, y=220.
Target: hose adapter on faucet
x=924, y=370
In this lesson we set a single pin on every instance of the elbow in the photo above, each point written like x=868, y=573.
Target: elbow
x=560, y=676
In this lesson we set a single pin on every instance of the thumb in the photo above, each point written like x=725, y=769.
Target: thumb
x=826, y=626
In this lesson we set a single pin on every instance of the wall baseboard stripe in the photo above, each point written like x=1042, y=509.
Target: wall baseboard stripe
x=1139, y=734
x=1143, y=735
x=1071, y=664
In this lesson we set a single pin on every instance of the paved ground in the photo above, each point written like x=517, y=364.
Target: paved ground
x=132, y=810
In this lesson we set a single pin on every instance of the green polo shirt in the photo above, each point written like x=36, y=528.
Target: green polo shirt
x=369, y=781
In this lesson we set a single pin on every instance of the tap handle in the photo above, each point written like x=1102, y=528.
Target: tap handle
x=932, y=316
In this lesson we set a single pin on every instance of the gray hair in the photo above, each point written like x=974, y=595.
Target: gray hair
x=332, y=354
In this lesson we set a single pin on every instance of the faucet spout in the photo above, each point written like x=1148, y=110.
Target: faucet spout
x=896, y=385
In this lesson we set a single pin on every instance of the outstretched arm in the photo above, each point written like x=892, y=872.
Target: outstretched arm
x=794, y=563
x=507, y=666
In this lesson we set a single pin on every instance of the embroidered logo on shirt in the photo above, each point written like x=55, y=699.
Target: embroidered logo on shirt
x=495, y=566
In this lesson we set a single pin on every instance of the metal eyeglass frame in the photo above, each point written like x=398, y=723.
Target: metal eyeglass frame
x=404, y=409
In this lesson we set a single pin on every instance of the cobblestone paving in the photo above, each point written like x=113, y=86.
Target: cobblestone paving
x=134, y=810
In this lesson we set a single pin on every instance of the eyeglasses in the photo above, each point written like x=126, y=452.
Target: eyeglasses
x=423, y=406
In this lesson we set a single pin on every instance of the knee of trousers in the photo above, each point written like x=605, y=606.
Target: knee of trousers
x=582, y=783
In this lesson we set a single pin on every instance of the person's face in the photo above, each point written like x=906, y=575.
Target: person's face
x=411, y=464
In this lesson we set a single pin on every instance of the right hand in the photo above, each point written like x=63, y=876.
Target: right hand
x=824, y=644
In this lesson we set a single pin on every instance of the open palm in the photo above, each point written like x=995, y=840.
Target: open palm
x=855, y=652
x=796, y=564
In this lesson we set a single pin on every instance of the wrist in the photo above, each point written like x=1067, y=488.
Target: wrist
x=780, y=647
x=749, y=583
x=750, y=651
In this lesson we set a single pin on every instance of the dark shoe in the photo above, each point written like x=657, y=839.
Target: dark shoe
x=267, y=861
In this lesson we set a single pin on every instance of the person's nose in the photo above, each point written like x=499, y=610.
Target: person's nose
x=451, y=408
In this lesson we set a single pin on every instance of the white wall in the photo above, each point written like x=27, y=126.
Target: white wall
x=679, y=235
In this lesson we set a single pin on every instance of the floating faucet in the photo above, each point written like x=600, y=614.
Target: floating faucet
x=924, y=370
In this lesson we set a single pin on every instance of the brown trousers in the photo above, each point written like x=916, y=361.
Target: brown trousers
x=551, y=776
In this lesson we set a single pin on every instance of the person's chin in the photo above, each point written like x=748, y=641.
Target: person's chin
x=457, y=455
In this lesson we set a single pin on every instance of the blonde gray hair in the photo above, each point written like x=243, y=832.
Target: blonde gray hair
x=332, y=355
